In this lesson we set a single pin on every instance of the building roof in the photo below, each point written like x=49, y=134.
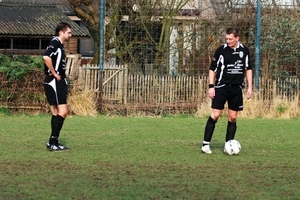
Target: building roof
x=34, y=20
x=63, y=5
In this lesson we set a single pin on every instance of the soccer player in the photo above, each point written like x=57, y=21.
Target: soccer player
x=229, y=66
x=55, y=83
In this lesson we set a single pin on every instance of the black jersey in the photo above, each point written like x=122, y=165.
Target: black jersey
x=230, y=64
x=55, y=50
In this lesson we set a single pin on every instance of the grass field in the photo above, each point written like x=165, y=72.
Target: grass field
x=148, y=158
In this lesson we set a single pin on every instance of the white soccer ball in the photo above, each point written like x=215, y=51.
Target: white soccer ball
x=232, y=147
x=135, y=8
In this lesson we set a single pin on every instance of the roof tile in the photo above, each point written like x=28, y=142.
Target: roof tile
x=34, y=20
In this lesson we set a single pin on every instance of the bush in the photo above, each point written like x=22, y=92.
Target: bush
x=16, y=67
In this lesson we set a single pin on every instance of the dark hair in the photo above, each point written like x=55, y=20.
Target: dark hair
x=234, y=31
x=62, y=26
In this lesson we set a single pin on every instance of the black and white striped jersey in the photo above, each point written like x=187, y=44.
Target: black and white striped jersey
x=55, y=50
x=230, y=64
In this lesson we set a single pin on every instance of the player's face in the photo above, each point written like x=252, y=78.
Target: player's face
x=231, y=40
x=66, y=35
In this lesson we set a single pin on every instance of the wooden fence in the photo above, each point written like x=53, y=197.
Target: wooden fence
x=123, y=87
x=125, y=91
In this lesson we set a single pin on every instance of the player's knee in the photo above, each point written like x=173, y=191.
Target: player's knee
x=231, y=119
x=215, y=117
x=215, y=114
x=63, y=113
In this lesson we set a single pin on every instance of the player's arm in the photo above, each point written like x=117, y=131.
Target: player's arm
x=212, y=72
x=48, y=62
x=249, y=79
x=211, y=79
x=249, y=76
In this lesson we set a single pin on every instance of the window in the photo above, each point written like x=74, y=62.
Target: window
x=24, y=43
x=28, y=43
x=4, y=43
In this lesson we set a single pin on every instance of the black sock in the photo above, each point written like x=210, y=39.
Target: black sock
x=231, y=129
x=209, y=129
x=57, y=125
x=52, y=122
x=52, y=138
x=60, y=121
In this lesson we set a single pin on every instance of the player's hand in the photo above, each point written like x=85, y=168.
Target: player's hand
x=249, y=93
x=57, y=76
x=211, y=92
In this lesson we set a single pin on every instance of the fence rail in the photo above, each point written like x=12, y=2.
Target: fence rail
x=124, y=87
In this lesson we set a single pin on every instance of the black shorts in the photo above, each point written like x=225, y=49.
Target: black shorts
x=233, y=94
x=56, y=91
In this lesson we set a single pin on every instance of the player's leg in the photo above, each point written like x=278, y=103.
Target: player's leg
x=50, y=92
x=210, y=125
x=54, y=114
x=231, y=125
x=61, y=108
x=53, y=135
x=217, y=106
x=209, y=130
x=61, y=112
x=61, y=115
x=235, y=104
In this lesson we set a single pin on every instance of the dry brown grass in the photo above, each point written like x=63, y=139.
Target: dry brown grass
x=83, y=103
x=280, y=107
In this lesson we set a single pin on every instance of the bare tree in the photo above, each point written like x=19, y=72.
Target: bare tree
x=162, y=33
x=88, y=12
x=136, y=31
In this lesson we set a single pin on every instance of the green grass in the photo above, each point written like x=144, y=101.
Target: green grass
x=147, y=158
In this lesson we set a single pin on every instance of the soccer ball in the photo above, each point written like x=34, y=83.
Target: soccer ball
x=232, y=147
x=135, y=8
